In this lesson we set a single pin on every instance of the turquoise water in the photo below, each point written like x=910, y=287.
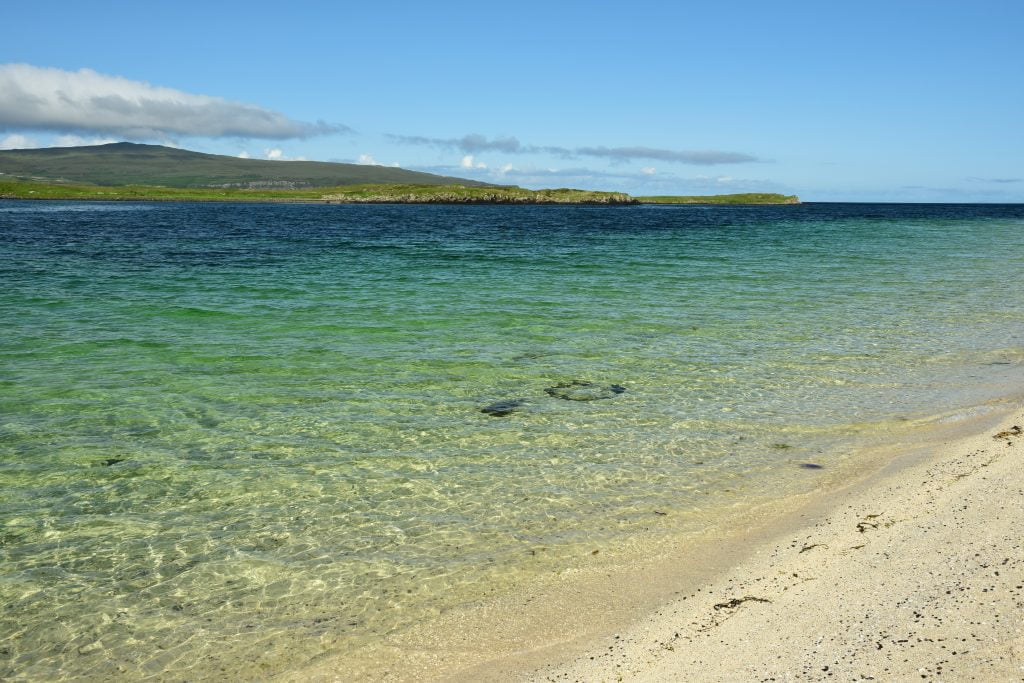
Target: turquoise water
x=234, y=438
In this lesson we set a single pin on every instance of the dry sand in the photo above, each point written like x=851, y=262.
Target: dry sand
x=916, y=574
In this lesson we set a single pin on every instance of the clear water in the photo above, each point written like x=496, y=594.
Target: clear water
x=237, y=437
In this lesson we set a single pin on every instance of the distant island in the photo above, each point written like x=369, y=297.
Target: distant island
x=127, y=171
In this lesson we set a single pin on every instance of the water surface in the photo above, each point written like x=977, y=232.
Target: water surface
x=237, y=437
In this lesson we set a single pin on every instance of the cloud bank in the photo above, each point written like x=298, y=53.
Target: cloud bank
x=15, y=141
x=84, y=101
x=646, y=180
x=474, y=144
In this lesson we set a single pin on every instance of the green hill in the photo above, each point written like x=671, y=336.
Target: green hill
x=127, y=163
x=349, y=194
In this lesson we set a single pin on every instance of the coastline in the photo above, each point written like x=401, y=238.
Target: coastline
x=334, y=201
x=165, y=200
x=374, y=195
x=866, y=555
x=384, y=202
x=915, y=572
x=287, y=200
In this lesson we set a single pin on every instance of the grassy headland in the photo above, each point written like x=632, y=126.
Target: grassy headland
x=367, y=193
x=350, y=194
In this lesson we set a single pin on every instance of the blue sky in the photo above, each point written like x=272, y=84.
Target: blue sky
x=869, y=101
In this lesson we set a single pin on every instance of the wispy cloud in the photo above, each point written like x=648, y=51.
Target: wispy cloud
x=475, y=144
x=84, y=101
x=471, y=144
x=694, y=157
x=573, y=174
x=996, y=180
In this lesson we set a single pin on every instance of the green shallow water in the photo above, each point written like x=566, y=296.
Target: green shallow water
x=234, y=438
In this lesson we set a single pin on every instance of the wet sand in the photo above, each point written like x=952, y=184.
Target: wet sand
x=914, y=574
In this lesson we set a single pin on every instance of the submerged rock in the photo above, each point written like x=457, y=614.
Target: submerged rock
x=578, y=390
x=503, y=408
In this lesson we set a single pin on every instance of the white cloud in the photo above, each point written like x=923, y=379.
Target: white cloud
x=468, y=162
x=648, y=170
x=79, y=141
x=243, y=154
x=368, y=160
x=42, y=98
x=16, y=141
x=275, y=154
x=505, y=169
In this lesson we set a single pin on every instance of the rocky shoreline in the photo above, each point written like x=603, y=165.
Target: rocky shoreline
x=598, y=199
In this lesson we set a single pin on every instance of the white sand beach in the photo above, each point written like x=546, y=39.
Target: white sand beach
x=916, y=574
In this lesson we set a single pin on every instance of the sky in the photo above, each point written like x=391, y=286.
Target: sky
x=871, y=101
